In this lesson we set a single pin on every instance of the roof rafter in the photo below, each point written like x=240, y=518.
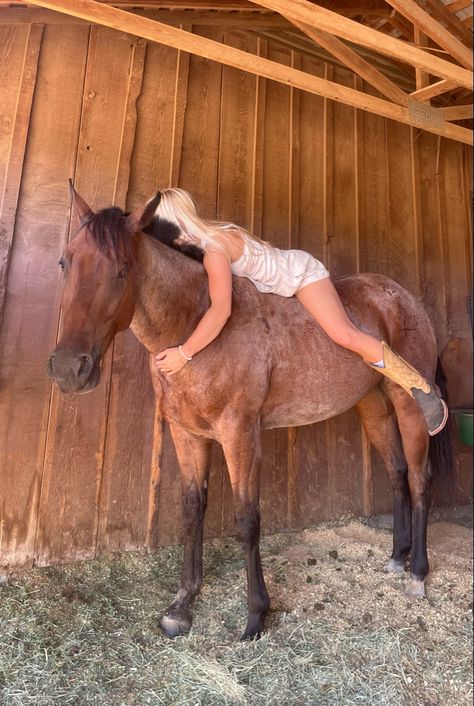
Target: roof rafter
x=301, y=42
x=434, y=89
x=427, y=24
x=354, y=7
x=356, y=63
x=447, y=15
x=320, y=18
x=186, y=41
x=456, y=5
x=345, y=7
x=398, y=22
x=458, y=112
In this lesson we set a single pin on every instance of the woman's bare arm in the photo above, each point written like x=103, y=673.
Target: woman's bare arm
x=209, y=327
x=220, y=293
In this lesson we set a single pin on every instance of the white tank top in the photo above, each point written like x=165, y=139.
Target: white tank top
x=277, y=271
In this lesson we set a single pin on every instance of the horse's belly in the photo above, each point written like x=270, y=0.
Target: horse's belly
x=312, y=399
x=296, y=415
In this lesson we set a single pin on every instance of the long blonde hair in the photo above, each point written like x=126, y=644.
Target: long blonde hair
x=177, y=206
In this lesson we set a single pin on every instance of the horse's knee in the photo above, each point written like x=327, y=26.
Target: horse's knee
x=399, y=480
x=194, y=503
x=248, y=526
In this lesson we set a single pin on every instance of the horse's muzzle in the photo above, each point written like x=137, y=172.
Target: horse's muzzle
x=73, y=371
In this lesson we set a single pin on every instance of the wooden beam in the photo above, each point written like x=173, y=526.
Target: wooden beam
x=267, y=25
x=355, y=7
x=345, y=7
x=454, y=23
x=439, y=34
x=435, y=89
x=302, y=43
x=458, y=112
x=356, y=63
x=316, y=16
x=422, y=78
x=179, y=39
x=402, y=25
x=251, y=21
x=457, y=5
x=180, y=4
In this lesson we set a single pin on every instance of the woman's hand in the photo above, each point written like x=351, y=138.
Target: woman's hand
x=170, y=361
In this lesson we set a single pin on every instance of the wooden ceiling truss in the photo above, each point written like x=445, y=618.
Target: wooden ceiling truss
x=431, y=52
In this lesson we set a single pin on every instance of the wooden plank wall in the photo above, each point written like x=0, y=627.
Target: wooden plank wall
x=81, y=475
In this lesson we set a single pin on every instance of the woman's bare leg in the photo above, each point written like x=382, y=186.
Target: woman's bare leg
x=322, y=301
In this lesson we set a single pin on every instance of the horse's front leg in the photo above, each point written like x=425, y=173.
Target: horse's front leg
x=194, y=457
x=242, y=453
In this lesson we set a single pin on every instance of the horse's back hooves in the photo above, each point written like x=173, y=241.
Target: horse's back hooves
x=415, y=588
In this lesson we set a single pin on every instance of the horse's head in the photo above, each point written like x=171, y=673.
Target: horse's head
x=98, y=297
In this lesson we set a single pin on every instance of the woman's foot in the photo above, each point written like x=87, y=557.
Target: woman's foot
x=434, y=409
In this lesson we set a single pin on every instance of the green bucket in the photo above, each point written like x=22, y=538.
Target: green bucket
x=465, y=425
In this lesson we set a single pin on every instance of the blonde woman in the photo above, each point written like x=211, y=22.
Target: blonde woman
x=229, y=249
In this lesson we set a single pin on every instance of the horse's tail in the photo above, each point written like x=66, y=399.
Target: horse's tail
x=441, y=451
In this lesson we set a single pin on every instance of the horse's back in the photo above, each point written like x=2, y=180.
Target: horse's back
x=312, y=378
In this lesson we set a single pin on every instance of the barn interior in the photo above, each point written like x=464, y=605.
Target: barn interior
x=343, y=128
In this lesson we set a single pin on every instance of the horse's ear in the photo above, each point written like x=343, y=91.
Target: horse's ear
x=143, y=216
x=81, y=208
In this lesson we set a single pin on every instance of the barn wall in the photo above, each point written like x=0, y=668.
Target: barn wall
x=87, y=474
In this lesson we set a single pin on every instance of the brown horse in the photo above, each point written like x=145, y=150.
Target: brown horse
x=271, y=366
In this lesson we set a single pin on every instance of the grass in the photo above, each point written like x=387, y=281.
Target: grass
x=88, y=634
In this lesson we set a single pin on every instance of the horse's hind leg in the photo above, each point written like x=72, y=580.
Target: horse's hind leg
x=194, y=457
x=242, y=452
x=415, y=440
x=378, y=418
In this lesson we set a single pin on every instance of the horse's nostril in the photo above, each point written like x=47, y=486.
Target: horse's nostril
x=85, y=364
x=50, y=365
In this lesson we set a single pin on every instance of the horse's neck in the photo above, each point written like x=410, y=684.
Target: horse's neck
x=171, y=295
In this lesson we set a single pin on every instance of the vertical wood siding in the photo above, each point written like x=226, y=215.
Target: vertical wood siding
x=81, y=475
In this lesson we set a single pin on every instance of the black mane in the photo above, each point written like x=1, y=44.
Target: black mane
x=108, y=230
x=167, y=233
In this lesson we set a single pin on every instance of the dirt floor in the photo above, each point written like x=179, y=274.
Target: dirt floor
x=341, y=630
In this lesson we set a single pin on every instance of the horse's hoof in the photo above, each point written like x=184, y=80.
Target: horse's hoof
x=254, y=628
x=415, y=588
x=395, y=567
x=174, y=626
x=251, y=635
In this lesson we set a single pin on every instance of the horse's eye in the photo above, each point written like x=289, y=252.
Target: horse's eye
x=122, y=274
x=61, y=263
